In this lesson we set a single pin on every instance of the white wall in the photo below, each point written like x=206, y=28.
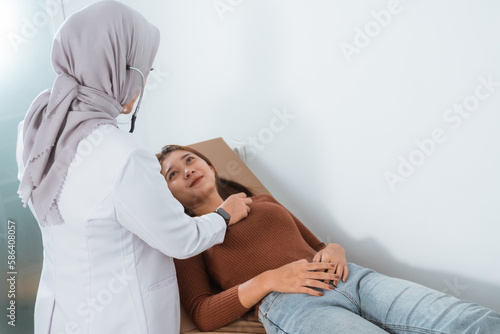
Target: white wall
x=229, y=73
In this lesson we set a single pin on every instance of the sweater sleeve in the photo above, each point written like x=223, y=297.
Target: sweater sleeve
x=308, y=236
x=208, y=310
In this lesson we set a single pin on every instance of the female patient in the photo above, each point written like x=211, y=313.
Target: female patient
x=272, y=261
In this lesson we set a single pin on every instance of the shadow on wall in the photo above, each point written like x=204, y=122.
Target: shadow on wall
x=369, y=253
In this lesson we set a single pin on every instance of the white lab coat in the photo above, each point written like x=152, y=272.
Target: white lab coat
x=109, y=267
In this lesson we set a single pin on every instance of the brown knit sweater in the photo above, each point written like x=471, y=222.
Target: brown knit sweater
x=268, y=238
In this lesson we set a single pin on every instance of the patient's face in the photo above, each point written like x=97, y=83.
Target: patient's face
x=189, y=178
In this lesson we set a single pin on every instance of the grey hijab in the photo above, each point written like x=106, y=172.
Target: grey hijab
x=90, y=54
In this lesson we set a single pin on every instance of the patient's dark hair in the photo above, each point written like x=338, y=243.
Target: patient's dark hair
x=225, y=187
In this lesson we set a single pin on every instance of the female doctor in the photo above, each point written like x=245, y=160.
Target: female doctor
x=109, y=224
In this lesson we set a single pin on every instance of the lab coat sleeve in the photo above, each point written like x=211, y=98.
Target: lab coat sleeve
x=145, y=206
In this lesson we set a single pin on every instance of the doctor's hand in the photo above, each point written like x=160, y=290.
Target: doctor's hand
x=237, y=206
x=334, y=254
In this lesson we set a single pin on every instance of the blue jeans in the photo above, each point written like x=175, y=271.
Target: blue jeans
x=369, y=303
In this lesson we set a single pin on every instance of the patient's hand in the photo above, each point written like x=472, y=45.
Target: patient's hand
x=300, y=276
x=334, y=254
x=296, y=277
x=237, y=206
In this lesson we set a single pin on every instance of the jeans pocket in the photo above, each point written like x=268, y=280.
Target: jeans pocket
x=267, y=302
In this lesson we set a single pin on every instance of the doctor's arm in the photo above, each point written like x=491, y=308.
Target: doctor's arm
x=145, y=206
